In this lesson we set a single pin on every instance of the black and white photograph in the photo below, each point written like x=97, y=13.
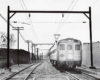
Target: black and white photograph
x=49, y=40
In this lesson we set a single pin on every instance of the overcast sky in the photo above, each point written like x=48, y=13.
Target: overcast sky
x=40, y=28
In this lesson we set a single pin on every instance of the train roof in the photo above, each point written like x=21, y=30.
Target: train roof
x=64, y=40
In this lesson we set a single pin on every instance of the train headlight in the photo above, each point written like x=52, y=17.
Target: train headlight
x=70, y=56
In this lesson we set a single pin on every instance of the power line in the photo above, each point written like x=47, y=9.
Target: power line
x=6, y=20
x=82, y=16
x=22, y=36
x=75, y=4
x=70, y=5
x=68, y=14
x=66, y=18
x=11, y=25
x=45, y=22
x=94, y=2
x=30, y=22
x=29, y=19
x=75, y=23
x=62, y=18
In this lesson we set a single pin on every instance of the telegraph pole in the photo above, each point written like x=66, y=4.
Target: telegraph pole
x=32, y=52
x=28, y=41
x=18, y=28
x=37, y=52
x=42, y=56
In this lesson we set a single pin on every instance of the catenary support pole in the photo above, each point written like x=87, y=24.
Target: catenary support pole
x=28, y=42
x=37, y=52
x=91, y=48
x=28, y=49
x=8, y=33
x=32, y=52
x=18, y=46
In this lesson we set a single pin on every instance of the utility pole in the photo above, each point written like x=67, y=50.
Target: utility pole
x=18, y=28
x=37, y=52
x=28, y=48
x=42, y=56
x=32, y=52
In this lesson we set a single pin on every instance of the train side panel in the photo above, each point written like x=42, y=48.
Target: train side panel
x=53, y=54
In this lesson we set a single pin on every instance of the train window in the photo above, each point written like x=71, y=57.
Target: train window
x=69, y=47
x=77, y=47
x=62, y=47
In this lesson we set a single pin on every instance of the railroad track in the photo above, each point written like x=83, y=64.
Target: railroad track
x=77, y=75
x=23, y=74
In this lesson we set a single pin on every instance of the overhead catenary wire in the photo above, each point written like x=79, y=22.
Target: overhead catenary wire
x=22, y=36
x=82, y=16
x=28, y=19
x=94, y=2
x=31, y=25
x=75, y=23
x=49, y=22
x=6, y=20
x=62, y=17
x=66, y=18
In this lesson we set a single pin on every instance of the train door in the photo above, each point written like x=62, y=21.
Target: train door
x=70, y=47
x=62, y=52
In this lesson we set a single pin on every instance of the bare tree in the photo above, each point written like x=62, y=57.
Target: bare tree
x=3, y=40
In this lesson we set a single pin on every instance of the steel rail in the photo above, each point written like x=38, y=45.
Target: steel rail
x=84, y=73
x=12, y=75
x=69, y=74
x=88, y=73
x=75, y=78
x=31, y=72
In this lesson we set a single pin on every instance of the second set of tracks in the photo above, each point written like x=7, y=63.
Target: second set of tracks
x=23, y=74
x=77, y=74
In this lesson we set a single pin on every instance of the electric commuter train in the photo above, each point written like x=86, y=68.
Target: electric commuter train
x=66, y=53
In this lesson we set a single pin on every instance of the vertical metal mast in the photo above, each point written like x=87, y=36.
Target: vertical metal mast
x=91, y=48
x=8, y=33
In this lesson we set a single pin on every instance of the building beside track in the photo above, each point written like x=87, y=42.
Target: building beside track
x=96, y=54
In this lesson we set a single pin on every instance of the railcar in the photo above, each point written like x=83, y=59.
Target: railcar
x=66, y=53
